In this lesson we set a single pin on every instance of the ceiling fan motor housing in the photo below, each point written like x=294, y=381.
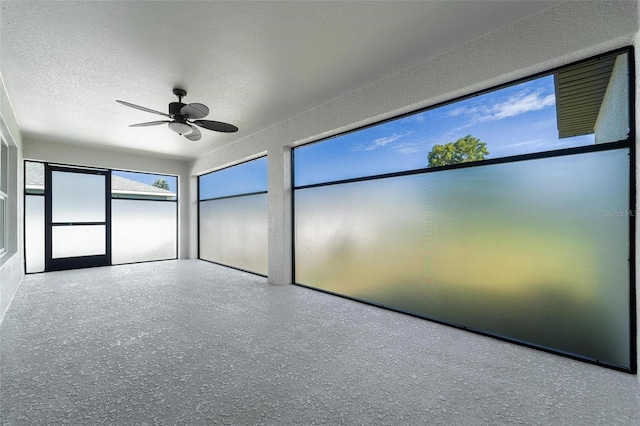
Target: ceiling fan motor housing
x=174, y=111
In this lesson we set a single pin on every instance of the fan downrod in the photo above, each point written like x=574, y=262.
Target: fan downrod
x=175, y=107
x=180, y=93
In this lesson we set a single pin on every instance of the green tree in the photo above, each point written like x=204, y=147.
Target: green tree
x=161, y=183
x=463, y=150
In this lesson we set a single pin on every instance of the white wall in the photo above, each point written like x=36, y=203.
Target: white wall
x=612, y=123
x=568, y=32
x=71, y=154
x=11, y=262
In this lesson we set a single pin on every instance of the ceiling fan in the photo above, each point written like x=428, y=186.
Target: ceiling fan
x=183, y=117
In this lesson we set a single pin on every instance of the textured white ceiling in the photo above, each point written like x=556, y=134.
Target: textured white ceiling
x=254, y=64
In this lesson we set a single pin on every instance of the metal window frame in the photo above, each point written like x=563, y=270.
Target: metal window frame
x=75, y=167
x=629, y=143
x=177, y=206
x=224, y=197
x=75, y=262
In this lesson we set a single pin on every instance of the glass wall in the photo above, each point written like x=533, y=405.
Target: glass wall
x=232, y=218
x=34, y=233
x=526, y=239
x=144, y=219
x=143, y=230
x=34, y=229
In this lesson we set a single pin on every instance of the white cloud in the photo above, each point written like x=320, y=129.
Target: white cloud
x=458, y=111
x=536, y=142
x=517, y=105
x=523, y=102
x=380, y=142
x=407, y=148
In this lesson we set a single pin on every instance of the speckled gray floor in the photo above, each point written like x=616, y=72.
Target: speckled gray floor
x=189, y=342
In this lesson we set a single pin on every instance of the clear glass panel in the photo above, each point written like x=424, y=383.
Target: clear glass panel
x=34, y=233
x=233, y=231
x=78, y=240
x=34, y=178
x=143, y=230
x=580, y=105
x=143, y=186
x=78, y=197
x=241, y=179
x=536, y=251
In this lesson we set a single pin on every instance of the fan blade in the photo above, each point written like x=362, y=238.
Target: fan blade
x=153, y=111
x=150, y=123
x=195, y=135
x=216, y=126
x=194, y=111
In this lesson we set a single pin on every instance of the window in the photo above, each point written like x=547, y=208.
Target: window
x=34, y=229
x=232, y=216
x=144, y=217
x=546, y=113
x=4, y=185
x=521, y=230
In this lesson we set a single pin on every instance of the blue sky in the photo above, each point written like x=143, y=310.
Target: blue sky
x=518, y=119
x=240, y=179
x=514, y=120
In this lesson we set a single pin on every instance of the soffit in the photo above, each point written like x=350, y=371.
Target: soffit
x=579, y=92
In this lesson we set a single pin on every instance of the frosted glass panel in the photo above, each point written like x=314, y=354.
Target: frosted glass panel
x=3, y=224
x=78, y=197
x=71, y=241
x=143, y=230
x=233, y=231
x=34, y=233
x=534, y=251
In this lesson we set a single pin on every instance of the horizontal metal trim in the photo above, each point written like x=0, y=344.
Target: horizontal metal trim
x=232, y=165
x=145, y=261
x=78, y=169
x=78, y=223
x=63, y=263
x=233, y=267
x=142, y=199
x=234, y=196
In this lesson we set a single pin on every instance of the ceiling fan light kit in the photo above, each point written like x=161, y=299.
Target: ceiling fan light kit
x=184, y=117
x=180, y=128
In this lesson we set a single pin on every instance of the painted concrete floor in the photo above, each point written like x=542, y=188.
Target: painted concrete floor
x=189, y=342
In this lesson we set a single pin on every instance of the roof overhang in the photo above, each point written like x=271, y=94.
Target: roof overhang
x=579, y=92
